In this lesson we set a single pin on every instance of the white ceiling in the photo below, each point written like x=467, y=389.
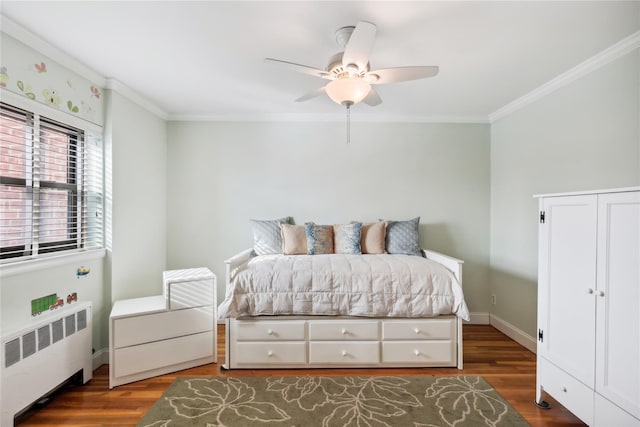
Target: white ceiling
x=205, y=59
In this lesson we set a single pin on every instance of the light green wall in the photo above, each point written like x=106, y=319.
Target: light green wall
x=584, y=136
x=220, y=175
x=136, y=140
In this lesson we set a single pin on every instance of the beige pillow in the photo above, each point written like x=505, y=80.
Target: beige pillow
x=294, y=239
x=372, y=237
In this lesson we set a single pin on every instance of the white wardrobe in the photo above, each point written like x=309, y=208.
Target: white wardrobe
x=588, y=304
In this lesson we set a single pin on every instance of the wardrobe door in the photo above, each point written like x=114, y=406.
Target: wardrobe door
x=567, y=279
x=618, y=297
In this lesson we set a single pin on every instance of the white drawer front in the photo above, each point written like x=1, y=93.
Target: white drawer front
x=337, y=330
x=269, y=331
x=145, y=357
x=325, y=352
x=431, y=329
x=422, y=352
x=161, y=326
x=270, y=353
x=571, y=393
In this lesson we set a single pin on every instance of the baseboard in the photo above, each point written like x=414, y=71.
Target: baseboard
x=516, y=334
x=478, y=319
x=100, y=357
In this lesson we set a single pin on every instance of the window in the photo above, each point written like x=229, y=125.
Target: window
x=50, y=186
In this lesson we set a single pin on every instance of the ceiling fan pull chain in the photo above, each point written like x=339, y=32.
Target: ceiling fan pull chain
x=348, y=124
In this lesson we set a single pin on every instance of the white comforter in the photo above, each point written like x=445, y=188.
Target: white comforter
x=353, y=285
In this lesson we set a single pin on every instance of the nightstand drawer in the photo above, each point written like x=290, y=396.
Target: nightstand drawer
x=270, y=353
x=146, y=357
x=331, y=330
x=440, y=353
x=136, y=330
x=418, y=329
x=269, y=331
x=344, y=353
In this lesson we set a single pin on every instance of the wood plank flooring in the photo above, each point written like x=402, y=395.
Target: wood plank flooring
x=506, y=365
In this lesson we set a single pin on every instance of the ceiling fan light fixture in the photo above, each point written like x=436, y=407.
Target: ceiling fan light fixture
x=350, y=90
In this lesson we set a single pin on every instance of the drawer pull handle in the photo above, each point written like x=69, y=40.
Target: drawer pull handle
x=343, y=331
x=270, y=332
x=344, y=353
x=270, y=353
x=416, y=330
x=416, y=352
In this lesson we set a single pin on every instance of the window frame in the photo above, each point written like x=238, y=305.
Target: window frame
x=78, y=205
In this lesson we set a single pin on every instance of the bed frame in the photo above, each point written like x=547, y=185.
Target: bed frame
x=299, y=342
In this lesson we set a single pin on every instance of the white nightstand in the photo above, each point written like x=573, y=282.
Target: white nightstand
x=156, y=335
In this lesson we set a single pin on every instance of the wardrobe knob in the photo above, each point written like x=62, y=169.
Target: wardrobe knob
x=270, y=332
x=600, y=293
x=344, y=353
x=270, y=353
x=343, y=331
x=564, y=389
x=416, y=330
x=589, y=291
x=416, y=352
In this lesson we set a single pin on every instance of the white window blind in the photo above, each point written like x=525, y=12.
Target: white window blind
x=51, y=186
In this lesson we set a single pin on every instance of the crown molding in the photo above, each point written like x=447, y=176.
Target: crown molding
x=133, y=96
x=608, y=55
x=37, y=43
x=332, y=117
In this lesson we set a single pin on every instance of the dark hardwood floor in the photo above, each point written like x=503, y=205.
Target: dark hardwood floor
x=506, y=365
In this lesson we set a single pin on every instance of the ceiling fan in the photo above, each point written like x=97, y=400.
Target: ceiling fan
x=349, y=71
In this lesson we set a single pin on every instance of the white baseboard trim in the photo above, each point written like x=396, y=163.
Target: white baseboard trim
x=516, y=334
x=100, y=357
x=478, y=319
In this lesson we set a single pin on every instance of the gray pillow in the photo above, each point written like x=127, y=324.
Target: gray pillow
x=267, y=239
x=402, y=237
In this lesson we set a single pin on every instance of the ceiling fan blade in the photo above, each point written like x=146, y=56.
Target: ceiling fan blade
x=401, y=74
x=358, y=48
x=312, y=94
x=299, y=68
x=372, y=98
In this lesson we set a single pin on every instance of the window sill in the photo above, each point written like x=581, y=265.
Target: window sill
x=27, y=266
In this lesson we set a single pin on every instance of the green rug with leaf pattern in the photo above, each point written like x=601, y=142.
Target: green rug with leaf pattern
x=332, y=402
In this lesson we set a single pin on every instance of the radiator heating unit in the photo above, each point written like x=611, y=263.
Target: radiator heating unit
x=38, y=358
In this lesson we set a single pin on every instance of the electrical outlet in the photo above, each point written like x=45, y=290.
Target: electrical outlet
x=493, y=299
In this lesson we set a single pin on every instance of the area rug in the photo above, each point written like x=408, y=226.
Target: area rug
x=332, y=402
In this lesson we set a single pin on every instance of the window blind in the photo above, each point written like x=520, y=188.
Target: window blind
x=51, y=186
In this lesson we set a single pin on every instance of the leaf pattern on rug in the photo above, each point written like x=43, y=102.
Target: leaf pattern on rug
x=357, y=401
x=215, y=396
x=457, y=397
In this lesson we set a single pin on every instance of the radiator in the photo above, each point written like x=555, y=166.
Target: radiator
x=38, y=358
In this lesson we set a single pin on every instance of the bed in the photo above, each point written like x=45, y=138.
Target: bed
x=340, y=311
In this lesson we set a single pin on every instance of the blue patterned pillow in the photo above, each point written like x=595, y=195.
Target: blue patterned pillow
x=402, y=237
x=319, y=239
x=267, y=239
x=346, y=238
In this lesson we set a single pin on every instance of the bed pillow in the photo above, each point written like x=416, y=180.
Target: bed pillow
x=346, y=238
x=319, y=239
x=402, y=237
x=267, y=238
x=372, y=239
x=294, y=239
